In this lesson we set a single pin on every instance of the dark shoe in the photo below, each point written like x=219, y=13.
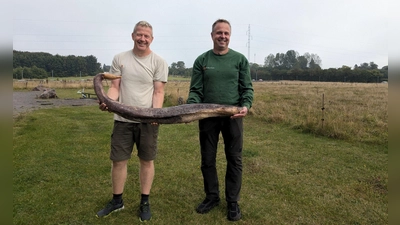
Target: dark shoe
x=144, y=212
x=111, y=207
x=234, y=213
x=207, y=205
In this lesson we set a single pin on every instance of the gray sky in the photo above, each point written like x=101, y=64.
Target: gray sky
x=340, y=32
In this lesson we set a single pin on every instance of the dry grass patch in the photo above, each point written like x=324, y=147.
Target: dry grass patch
x=350, y=111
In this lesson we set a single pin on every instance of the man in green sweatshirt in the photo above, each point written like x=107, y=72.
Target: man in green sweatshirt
x=221, y=76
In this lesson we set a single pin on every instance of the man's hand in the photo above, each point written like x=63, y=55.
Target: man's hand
x=242, y=113
x=103, y=107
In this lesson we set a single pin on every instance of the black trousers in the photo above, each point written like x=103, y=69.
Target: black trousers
x=232, y=133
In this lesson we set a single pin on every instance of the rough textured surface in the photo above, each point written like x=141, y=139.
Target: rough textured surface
x=175, y=114
x=28, y=101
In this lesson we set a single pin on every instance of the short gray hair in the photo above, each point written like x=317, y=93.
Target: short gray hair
x=143, y=23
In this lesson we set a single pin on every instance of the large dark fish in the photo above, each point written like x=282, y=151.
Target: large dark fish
x=170, y=115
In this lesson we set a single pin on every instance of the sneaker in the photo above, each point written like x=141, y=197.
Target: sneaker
x=234, y=213
x=144, y=212
x=207, y=205
x=111, y=207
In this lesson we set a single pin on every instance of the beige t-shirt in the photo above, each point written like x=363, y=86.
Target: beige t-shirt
x=138, y=75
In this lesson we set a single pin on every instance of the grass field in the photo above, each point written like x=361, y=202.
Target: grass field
x=298, y=168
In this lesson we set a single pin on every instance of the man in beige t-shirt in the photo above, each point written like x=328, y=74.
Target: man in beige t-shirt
x=143, y=77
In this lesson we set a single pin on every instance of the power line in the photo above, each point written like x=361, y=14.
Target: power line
x=248, y=44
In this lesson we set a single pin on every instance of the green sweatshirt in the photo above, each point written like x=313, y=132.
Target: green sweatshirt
x=221, y=79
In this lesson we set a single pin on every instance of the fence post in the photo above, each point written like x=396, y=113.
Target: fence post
x=322, y=108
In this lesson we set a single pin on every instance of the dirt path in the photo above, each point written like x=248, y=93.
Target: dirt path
x=28, y=101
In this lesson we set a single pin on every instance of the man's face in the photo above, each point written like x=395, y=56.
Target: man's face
x=221, y=36
x=142, y=37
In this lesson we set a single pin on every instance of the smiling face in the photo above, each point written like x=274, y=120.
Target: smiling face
x=142, y=37
x=221, y=35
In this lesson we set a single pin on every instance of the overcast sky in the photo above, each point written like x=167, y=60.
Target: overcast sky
x=340, y=32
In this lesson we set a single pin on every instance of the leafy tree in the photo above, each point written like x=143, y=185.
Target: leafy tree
x=385, y=73
x=29, y=73
x=314, y=65
x=269, y=61
x=331, y=74
x=56, y=66
x=301, y=62
x=254, y=68
x=80, y=63
x=92, y=66
x=376, y=76
x=290, y=59
x=18, y=73
x=364, y=66
x=279, y=61
x=180, y=66
x=70, y=66
x=173, y=69
x=317, y=59
x=307, y=56
x=38, y=73
x=106, y=68
x=373, y=66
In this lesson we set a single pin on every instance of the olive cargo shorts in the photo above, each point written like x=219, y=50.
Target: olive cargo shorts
x=125, y=135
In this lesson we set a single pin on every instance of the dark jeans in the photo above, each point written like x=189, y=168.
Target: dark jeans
x=232, y=133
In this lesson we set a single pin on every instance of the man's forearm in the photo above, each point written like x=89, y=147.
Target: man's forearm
x=113, y=93
x=158, y=99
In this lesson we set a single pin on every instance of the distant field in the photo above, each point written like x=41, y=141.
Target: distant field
x=348, y=111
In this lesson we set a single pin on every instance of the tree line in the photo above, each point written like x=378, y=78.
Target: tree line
x=281, y=66
x=40, y=65
x=293, y=66
x=359, y=74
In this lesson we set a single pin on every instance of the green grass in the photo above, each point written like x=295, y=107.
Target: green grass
x=178, y=78
x=62, y=174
